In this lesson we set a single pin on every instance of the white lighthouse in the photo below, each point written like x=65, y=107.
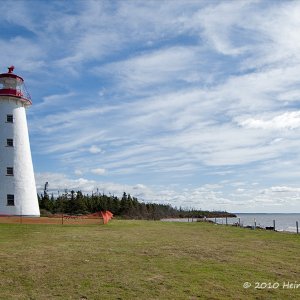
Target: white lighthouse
x=18, y=195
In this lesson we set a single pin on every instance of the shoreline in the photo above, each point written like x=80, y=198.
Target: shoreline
x=248, y=224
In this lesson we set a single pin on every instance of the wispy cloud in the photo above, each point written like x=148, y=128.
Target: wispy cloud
x=174, y=92
x=159, y=68
x=98, y=171
x=287, y=120
x=94, y=149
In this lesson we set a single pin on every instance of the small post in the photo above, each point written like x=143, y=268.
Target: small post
x=239, y=222
x=274, y=224
x=21, y=216
x=226, y=221
x=215, y=220
x=254, y=223
x=62, y=219
x=297, y=228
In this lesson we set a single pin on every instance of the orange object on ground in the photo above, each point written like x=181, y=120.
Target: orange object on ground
x=106, y=215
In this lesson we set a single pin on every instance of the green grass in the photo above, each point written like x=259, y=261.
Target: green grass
x=145, y=260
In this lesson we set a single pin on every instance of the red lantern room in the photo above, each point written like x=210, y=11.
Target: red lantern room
x=12, y=85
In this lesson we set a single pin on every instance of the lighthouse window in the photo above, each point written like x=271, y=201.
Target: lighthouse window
x=9, y=142
x=10, y=171
x=10, y=200
x=9, y=118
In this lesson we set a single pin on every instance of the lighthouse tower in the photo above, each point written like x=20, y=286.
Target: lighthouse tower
x=18, y=194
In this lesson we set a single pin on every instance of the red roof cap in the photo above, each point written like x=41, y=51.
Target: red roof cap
x=11, y=69
x=10, y=74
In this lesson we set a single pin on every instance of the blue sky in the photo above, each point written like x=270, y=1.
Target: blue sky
x=192, y=103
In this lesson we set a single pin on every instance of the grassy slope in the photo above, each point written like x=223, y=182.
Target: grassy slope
x=145, y=260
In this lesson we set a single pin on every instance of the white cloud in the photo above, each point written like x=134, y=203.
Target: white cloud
x=159, y=67
x=195, y=198
x=282, y=189
x=94, y=149
x=98, y=171
x=23, y=53
x=189, y=90
x=52, y=101
x=78, y=172
x=206, y=197
x=60, y=182
x=288, y=120
x=216, y=29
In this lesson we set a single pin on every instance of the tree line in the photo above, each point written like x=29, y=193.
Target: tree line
x=76, y=203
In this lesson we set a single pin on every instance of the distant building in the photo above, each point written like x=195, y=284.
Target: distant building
x=18, y=195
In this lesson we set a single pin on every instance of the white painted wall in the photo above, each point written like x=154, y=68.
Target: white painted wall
x=22, y=184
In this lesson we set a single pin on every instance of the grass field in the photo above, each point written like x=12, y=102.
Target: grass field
x=145, y=260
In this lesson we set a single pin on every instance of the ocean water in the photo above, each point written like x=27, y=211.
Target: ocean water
x=283, y=222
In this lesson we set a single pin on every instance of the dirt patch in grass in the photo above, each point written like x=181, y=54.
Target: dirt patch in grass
x=51, y=220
